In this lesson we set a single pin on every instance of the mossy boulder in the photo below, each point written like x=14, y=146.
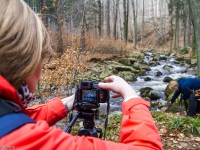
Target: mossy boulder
x=127, y=75
x=145, y=92
x=167, y=91
x=123, y=68
x=125, y=61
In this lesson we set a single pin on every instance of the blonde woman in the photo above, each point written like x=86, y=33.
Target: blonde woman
x=186, y=87
x=24, y=47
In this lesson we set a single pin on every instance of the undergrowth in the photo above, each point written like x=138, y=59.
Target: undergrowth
x=175, y=123
x=172, y=122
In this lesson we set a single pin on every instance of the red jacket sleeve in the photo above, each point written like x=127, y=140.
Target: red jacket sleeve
x=52, y=112
x=138, y=126
x=138, y=132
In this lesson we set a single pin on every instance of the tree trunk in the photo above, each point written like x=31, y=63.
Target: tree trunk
x=177, y=28
x=120, y=27
x=171, y=33
x=59, y=28
x=95, y=28
x=108, y=18
x=127, y=15
x=99, y=17
x=154, y=24
x=44, y=11
x=141, y=44
x=115, y=20
x=83, y=28
x=162, y=25
x=195, y=11
x=185, y=18
x=135, y=23
x=189, y=32
x=124, y=6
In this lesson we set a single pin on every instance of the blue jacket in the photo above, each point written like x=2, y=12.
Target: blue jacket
x=186, y=86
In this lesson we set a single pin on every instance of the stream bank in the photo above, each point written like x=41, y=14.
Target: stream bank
x=148, y=73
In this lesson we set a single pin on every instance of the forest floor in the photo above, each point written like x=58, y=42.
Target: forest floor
x=172, y=139
x=178, y=141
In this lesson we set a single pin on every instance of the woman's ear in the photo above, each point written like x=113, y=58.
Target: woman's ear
x=34, y=78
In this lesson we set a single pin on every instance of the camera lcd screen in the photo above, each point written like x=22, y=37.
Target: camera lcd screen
x=89, y=95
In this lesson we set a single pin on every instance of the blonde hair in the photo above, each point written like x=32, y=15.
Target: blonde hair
x=173, y=85
x=24, y=41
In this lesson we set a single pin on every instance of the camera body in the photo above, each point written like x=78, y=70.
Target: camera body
x=88, y=95
x=88, y=91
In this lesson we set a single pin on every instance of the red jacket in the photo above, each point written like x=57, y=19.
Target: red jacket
x=138, y=130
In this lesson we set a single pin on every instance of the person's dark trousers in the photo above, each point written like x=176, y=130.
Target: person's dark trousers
x=192, y=106
x=198, y=107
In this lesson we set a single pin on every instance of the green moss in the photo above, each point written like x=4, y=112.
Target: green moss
x=184, y=50
x=175, y=123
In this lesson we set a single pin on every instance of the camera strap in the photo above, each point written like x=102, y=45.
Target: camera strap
x=106, y=121
x=11, y=117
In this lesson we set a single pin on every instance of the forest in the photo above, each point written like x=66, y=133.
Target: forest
x=84, y=31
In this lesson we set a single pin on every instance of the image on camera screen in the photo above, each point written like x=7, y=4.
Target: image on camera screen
x=89, y=95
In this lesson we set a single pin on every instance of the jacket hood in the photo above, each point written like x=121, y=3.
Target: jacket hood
x=8, y=92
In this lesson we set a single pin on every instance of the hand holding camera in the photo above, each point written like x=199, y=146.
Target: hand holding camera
x=88, y=96
x=119, y=86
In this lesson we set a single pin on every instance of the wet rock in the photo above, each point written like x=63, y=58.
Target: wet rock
x=180, y=59
x=153, y=95
x=167, y=67
x=125, y=61
x=158, y=73
x=167, y=79
x=193, y=61
x=163, y=58
x=128, y=76
x=144, y=92
x=167, y=91
x=147, y=79
x=95, y=60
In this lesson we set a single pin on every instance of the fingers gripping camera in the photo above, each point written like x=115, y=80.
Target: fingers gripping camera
x=89, y=92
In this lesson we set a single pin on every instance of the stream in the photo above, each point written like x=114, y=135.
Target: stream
x=177, y=70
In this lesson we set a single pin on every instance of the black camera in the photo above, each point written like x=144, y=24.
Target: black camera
x=88, y=95
x=89, y=91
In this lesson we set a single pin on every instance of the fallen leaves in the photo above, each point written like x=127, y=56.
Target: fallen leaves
x=178, y=141
x=176, y=131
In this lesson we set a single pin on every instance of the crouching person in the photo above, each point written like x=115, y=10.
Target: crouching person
x=187, y=88
x=24, y=48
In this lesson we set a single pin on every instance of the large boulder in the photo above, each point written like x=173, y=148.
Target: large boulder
x=167, y=79
x=127, y=75
x=127, y=61
x=168, y=91
x=144, y=92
